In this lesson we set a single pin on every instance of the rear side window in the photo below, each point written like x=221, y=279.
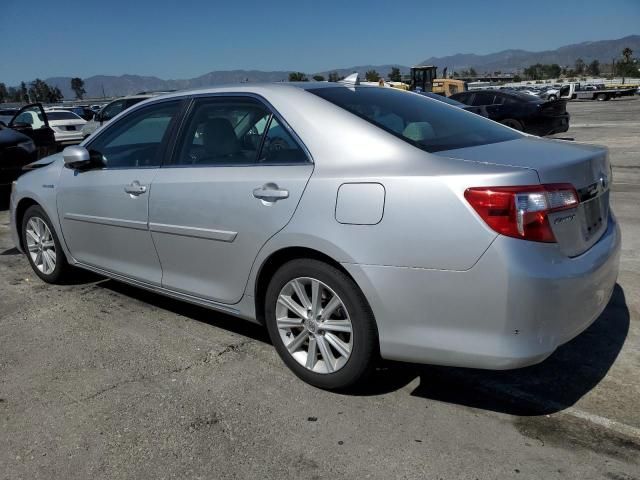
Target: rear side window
x=425, y=123
x=483, y=98
x=62, y=116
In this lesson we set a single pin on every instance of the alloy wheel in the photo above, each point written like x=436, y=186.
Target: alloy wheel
x=314, y=325
x=41, y=246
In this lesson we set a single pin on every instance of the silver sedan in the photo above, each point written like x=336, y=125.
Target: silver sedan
x=354, y=222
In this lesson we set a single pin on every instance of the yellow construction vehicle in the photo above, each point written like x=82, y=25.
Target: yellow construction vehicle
x=423, y=78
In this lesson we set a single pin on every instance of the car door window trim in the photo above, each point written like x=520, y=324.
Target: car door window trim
x=197, y=232
x=113, y=222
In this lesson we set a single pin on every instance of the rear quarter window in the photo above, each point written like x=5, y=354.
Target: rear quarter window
x=427, y=124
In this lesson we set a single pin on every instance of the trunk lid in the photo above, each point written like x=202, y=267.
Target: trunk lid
x=586, y=167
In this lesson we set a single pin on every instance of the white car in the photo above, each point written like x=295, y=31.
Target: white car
x=66, y=125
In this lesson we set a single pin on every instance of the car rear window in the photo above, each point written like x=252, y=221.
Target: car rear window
x=425, y=123
x=62, y=116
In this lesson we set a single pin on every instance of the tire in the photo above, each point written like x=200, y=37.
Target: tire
x=515, y=124
x=602, y=97
x=39, y=253
x=351, y=322
x=552, y=97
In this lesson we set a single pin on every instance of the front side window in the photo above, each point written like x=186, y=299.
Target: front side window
x=235, y=131
x=134, y=141
x=425, y=123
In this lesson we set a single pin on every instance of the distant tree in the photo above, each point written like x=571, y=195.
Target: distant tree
x=23, y=93
x=39, y=91
x=318, y=78
x=579, y=66
x=629, y=66
x=333, y=77
x=54, y=95
x=372, y=76
x=594, y=68
x=553, y=70
x=4, y=93
x=472, y=72
x=517, y=78
x=455, y=74
x=298, y=77
x=395, y=75
x=77, y=85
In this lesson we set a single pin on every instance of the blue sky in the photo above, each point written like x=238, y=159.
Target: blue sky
x=184, y=39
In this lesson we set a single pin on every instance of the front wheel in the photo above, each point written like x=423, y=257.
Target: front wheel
x=42, y=247
x=321, y=324
x=552, y=98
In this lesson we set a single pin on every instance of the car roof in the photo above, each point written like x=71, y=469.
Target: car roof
x=262, y=87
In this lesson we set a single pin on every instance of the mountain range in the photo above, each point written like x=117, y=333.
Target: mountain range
x=504, y=61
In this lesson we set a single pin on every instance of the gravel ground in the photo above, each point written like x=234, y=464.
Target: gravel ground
x=102, y=380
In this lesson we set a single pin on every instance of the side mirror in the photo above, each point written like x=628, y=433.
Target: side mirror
x=77, y=157
x=96, y=117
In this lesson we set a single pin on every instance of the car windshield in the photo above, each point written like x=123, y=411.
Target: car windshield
x=62, y=116
x=425, y=123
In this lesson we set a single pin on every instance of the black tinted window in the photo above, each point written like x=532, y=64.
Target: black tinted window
x=483, y=98
x=62, y=116
x=134, y=141
x=428, y=124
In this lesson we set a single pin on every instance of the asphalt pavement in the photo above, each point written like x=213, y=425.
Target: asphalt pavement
x=103, y=380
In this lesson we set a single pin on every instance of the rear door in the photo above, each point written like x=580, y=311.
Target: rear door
x=236, y=177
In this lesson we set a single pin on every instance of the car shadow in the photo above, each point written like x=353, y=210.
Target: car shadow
x=194, y=312
x=551, y=386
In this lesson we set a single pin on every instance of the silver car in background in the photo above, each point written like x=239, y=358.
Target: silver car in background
x=354, y=222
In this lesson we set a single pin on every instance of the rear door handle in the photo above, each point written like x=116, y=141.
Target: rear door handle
x=134, y=188
x=270, y=192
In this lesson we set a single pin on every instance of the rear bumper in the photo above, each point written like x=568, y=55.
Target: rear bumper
x=512, y=309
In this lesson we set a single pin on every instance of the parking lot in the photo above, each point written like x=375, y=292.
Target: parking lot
x=103, y=380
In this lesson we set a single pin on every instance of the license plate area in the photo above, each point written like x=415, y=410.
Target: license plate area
x=595, y=215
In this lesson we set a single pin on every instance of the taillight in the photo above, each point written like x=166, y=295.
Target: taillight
x=522, y=212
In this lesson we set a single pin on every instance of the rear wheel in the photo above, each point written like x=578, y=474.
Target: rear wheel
x=513, y=123
x=43, y=248
x=602, y=97
x=320, y=324
x=552, y=97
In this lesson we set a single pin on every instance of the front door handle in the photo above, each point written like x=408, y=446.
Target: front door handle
x=134, y=188
x=270, y=192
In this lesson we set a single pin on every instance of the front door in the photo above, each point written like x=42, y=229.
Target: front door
x=31, y=120
x=235, y=180
x=104, y=211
